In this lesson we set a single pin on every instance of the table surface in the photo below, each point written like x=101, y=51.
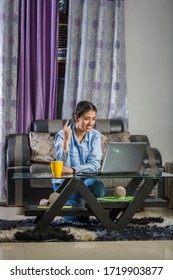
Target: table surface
x=151, y=175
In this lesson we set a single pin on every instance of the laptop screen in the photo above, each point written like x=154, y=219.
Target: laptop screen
x=123, y=157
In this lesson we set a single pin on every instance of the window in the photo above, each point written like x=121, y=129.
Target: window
x=62, y=36
x=62, y=50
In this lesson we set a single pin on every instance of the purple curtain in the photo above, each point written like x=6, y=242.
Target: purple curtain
x=37, y=75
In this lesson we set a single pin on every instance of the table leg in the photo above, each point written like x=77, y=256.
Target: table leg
x=54, y=210
x=95, y=206
x=69, y=187
x=133, y=185
x=135, y=204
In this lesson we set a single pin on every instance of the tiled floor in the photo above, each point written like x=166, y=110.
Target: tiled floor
x=124, y=250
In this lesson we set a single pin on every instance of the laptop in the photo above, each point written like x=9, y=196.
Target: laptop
x=122, y=158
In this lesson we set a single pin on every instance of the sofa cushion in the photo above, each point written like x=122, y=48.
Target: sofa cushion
x=113, y=137
x=42, y=144
x=42, y=147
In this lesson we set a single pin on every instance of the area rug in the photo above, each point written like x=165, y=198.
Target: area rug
x=152, y=228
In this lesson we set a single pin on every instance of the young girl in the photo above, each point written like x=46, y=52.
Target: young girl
x=79, y=146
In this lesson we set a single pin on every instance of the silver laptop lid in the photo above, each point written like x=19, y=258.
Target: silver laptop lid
x=123, y=157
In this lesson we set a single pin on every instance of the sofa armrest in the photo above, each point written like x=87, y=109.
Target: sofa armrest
x=152, y=157
x=18, y=191
x=18, y=150
x=139, y=138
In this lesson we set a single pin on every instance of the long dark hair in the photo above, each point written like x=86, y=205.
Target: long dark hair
x=82, y=107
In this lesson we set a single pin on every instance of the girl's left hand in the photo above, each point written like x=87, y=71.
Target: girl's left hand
x=67, y=169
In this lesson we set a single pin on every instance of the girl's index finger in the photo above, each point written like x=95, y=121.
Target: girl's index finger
x=66, y=123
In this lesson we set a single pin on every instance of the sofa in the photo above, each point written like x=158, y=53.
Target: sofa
x=32, y=153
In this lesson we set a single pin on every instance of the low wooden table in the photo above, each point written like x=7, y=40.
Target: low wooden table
x=140, y=186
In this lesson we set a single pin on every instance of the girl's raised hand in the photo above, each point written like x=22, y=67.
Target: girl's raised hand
x=67, y=131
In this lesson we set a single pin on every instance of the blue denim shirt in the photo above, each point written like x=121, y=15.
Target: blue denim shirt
x=83, y=156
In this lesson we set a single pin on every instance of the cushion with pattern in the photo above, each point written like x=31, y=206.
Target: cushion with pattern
x=42, y=147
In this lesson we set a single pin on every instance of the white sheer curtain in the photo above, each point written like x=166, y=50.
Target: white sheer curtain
x=8, y=77
x=95, y=66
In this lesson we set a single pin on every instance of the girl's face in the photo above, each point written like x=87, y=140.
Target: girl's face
x=86, y=122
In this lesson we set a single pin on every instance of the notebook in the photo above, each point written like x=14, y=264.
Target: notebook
x=122, y=158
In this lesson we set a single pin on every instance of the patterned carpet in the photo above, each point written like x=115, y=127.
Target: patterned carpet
x=153, y=228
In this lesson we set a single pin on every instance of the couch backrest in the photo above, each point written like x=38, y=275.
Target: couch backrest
x=102, y=125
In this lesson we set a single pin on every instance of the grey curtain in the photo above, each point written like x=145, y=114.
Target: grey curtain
x=8, y=77
x=95, y=64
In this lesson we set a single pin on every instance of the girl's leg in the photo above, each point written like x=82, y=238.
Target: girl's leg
x=74, y=198
x=72, y=201
x=95, y=186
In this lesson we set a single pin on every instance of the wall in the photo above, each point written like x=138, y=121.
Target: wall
x=149, y=56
